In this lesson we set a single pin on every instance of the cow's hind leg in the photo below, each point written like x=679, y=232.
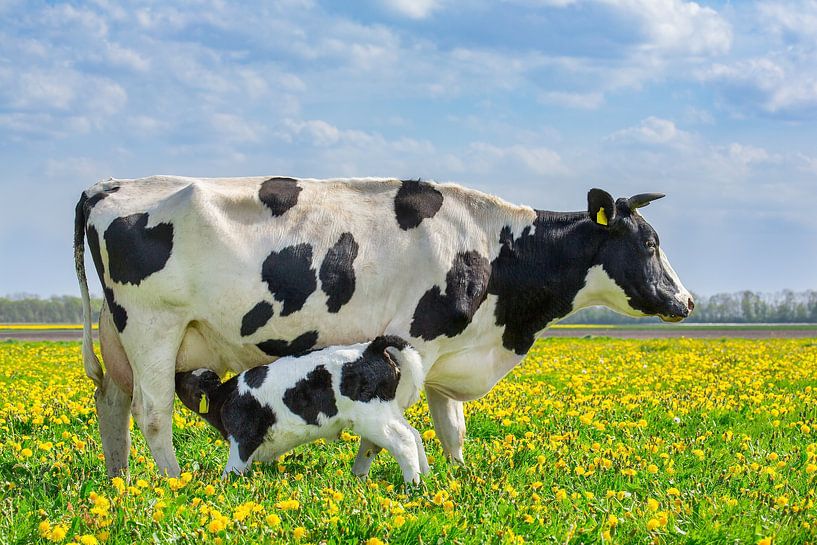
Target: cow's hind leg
x=113, y=398
x=113, y=414
x=449, y=423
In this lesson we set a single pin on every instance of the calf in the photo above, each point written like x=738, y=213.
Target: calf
x=268, y=410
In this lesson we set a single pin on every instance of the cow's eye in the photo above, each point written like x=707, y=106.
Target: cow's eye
x=651, y=245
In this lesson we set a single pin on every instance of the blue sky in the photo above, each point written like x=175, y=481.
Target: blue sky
x=536, y=101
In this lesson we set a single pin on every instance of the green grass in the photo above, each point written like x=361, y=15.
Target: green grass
x=583, y=430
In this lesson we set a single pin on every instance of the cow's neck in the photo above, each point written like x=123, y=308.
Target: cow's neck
x=539, y=272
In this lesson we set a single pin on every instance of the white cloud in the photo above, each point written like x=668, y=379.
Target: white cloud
x=413, y=9
x=654, y=131
x=234, y=128
x=122, y=56
x=776, y=83
x=678, y=26
x=536, y=159
x=792, y=18
x=584, y=101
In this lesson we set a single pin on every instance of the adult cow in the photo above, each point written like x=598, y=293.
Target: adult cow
x=232, y=273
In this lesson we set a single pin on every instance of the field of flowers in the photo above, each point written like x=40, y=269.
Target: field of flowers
x=588, y=441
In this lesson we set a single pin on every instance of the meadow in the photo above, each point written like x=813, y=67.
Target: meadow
x=590, y=440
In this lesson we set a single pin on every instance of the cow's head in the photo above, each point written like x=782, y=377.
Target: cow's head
x=630, y=255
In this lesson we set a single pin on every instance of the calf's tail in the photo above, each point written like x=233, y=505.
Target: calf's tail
x=89, y=360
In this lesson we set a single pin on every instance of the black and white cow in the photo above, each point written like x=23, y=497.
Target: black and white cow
x=229, y=274
x=270, y=409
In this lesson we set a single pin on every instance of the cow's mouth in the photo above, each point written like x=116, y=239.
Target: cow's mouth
x=668, y=318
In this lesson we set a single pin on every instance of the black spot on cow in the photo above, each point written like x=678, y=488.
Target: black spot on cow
x=537, y=274
x=118, y=312
x=290, y=276
x=96, y=197
x=337, y=273
x=254, y=377
x=135, y=251
x=374, y=374
x=96, y=253
x=256, y=318
x=416, y=201
x=450, y=313
x=299, y=345
x=279, y=194
x=312, y=396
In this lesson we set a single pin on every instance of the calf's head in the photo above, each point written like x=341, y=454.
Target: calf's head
x=630, y=259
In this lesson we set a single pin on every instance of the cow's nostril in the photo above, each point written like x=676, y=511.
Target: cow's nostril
x=690, y=304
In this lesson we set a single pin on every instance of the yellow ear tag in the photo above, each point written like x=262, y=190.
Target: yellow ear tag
x=204, y=405
x=601, y=217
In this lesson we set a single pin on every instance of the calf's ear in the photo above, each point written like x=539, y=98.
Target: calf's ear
x=600, y=206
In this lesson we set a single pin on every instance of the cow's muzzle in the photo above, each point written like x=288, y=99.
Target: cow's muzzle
x=679, y=311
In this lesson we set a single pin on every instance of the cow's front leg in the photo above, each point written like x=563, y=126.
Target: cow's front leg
x=449, y=423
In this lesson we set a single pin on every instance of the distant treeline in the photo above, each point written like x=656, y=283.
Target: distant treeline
x=740, y=307
x=58, y=309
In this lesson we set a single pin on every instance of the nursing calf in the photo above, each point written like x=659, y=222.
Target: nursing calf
x=268, y=410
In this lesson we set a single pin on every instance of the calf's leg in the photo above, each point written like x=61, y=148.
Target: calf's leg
x=449, y=423
x=396, y=437
x=234, y=463
x=365, y=456
x=421, y=451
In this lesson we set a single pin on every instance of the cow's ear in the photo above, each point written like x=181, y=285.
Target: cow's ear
x=600, y=206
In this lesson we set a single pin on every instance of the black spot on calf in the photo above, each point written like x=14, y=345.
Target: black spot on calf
x=466, y=284
x=299, y=345
x=312, y=395
x=337, y=273
x=254, y=377
x=247, y=421
x=136, y=251
x=290, y=276
x=374, y=374
x=256, y=318
x=279, y=194
x=416, y=201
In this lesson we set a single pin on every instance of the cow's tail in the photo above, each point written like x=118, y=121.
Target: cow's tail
x=89, y=360
x=410, y=363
